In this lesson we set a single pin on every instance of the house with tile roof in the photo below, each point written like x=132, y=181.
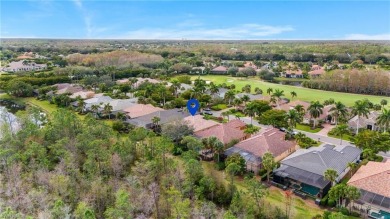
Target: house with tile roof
x=99, y=100
x=199, y=123
x=304, y=169
x=325, y=116
x=166, y=116
x=83, y=95
x=225, y=132
x=138, y=110
x=373, y=180
x=118, y=105
x=219, y=70
x=253, y=149
x=363, y=122
x=316, y=71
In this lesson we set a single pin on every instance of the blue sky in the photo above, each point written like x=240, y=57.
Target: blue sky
x=87, y=19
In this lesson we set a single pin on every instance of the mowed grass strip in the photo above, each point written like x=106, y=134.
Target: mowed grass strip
x=305, y=94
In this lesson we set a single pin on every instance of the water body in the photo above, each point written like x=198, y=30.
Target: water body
x=7, y=114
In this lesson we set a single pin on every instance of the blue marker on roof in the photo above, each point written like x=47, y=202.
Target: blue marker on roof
x=193, y=106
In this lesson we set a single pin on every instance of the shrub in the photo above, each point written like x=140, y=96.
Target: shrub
x=220, y=165
x=219, y=107
x=344, y=211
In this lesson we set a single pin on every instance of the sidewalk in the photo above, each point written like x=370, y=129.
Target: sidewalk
x=326, y=129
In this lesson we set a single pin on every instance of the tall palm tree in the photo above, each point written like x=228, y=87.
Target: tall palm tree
x=331, y=175
x=315, y=110
x=213, y=89
x=361, y=108
x=107, y=110
x=352, y=193
x=383, y=103
x=81, y=105
x=293, y=118
x=218, y=148
x=156, y=120
x=341, y=130
x=250, y=111
x=237, y=102
x=269, y=91
x=95, y=109
x=352, y=166
x=278, y=94
x=227, y=114
x=229, y=95
x=339, y=110
x=175, y=86
x=293, y=94
x=245, y=99
x=384, y=119
x=301, y=110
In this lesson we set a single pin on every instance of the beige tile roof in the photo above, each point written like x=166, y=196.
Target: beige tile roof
x=292, y=104
x=83, y=94
x=272, y=140
x=141, y=110
x=225, y=132
x=373, y=177
x=199, y=123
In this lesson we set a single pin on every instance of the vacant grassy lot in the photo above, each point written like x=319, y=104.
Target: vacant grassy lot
x=305, y=94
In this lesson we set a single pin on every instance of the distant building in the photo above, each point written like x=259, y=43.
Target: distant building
x=24, y=65
x=220, y=70
x=316, y=71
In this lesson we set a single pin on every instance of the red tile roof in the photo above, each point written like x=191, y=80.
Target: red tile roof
x=226, y=132
x=220, y=68
x=141, y=110
x=373, y=177
x=272, y=140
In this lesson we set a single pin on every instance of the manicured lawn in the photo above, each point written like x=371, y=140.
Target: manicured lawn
x=307, y=128
x=304, y=94
x=345, y=137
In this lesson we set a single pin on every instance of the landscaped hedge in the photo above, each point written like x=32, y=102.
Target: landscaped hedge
x=219, y=107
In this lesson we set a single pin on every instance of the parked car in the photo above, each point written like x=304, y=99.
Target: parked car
x=208, y=113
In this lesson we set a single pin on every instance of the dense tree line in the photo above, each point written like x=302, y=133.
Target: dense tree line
x=353, y=81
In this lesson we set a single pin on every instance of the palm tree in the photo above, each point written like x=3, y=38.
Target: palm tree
x=293, y=118
x=368, y=154
x=250, y=111
x=218, y=147
x=247, y=88
x=352, y=193
x=331, y=175
x=315, y=110
x=121, y=116
x=341, y=130
x=352, y=166
x=361, y=108
x=229, y=95
x=384, y=119
x=245, y=99
x=81, y=105
x=107, y=110
x=175, y=86
x=227, y=114
x=237, y=102
x=213, y=89
x=269, y=91
x=278, y=94
x=258, y=90
x=156, y=120
x=339, y=110
x=293, y=94
x=301, y=110
x=383, y=103
x=95, y=109
x=268, y=163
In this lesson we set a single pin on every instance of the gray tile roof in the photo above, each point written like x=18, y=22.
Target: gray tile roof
x=319, y=159
x=165, y=116
x=309, y=165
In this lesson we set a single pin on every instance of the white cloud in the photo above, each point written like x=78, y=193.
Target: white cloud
x=245, y=31
x=385, y=36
